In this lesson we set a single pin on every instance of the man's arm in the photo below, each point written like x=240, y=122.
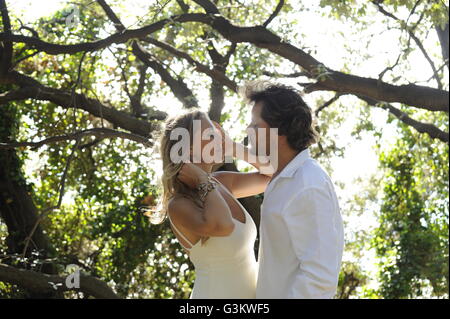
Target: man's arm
x=313, y=227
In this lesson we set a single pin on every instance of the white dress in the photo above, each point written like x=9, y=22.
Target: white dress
x=225, y=267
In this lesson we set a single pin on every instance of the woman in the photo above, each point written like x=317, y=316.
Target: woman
x=208, y=221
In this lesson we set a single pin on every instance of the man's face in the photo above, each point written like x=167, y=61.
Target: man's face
x=257, y=122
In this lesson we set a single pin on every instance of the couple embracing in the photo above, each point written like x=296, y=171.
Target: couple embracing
x=301, y=230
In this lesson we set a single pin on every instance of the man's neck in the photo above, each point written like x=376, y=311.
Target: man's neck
x=285, y=156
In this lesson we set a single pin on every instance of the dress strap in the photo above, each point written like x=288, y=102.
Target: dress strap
x=244, y=211
x=181, y=234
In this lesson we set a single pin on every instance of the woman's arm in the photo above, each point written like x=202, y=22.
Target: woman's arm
x=243, y=184
x=260, y=162
x=213, y=220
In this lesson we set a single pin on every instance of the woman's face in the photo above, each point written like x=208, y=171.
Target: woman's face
x=207, y=142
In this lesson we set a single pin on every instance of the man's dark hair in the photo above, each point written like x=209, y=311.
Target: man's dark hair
x=284, y=108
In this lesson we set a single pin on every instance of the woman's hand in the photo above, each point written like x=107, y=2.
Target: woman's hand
x=242, y=152
x=227, y=142
x=192, y=175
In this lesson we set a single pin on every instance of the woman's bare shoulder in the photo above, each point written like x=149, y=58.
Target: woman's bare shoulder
x=179, y=205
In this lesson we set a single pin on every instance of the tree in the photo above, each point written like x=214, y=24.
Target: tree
x=87, y=91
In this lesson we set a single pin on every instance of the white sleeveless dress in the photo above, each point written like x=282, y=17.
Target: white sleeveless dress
x=225, y=267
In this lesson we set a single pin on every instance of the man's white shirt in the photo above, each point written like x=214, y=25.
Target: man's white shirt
x=301, y=233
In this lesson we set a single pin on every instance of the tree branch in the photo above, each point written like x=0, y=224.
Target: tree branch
x=281, y=75
x=213, y=73
x=138, y=110
x=412, y=95
x=61, y=190
x=208, y=6
x=327, y=103
x=64, y=99
x=275, y=13
x=178, y=87
x=419, y=96
x=415, y=38
x=43, y=283
x=111, y=15
x=430, y=129
x=184, y=7
x=120, y=37
x=100, y=133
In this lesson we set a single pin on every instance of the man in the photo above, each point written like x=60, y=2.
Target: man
x=301, y=229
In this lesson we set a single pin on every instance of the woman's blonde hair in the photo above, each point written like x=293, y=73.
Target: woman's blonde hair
x=171, y=186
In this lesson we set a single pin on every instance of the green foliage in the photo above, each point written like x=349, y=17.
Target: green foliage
x=350, y=278
x=412, y=239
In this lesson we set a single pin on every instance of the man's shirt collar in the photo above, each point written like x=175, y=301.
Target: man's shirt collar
x=295, y=163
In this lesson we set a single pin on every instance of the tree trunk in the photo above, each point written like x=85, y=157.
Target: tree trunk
x=17, y=209
x=443, y=35
x=217, y=101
